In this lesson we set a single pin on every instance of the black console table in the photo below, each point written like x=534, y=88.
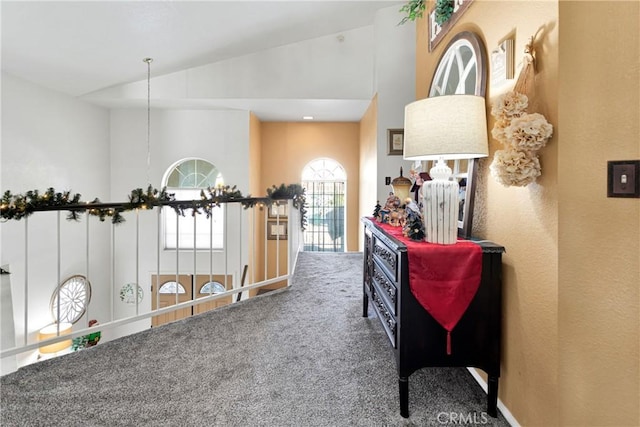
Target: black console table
x=417, y=338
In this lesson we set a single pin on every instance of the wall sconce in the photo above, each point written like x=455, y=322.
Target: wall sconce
x=51, y=331
x=443, y=128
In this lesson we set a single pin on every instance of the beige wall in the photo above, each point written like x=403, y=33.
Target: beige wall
x=599, y=237
x=255, y=155
x=256, y=259
x=282, y=150
x=368, y=164
x=571, y=272
x=524, y=220
x=288, y=147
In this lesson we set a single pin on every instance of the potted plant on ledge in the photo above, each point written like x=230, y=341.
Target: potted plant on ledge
x=414, y=9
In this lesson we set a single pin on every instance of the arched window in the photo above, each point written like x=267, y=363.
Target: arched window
x=75, y=294
x=212, y=288
x=172, y=288
x=325, y=182
x=186, y=179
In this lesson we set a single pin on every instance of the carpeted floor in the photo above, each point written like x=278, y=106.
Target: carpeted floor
x=301, y=356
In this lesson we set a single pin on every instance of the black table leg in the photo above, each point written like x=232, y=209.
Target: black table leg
x=365, y=305
x=403, y=387
x=492, y=396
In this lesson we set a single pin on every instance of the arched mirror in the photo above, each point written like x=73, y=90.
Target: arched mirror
x=462, y=70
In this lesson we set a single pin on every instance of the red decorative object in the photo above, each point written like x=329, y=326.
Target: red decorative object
x=443, y=278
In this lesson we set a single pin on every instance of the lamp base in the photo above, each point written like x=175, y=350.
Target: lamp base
x=440, y=212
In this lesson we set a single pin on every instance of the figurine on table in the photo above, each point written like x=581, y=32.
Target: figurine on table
x=418, y=179
x=413, y=226
x=393, y=202
x=389, y=212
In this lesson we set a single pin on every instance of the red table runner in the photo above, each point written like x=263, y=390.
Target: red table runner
x=443, y=278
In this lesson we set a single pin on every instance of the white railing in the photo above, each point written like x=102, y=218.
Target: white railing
x=260, y=244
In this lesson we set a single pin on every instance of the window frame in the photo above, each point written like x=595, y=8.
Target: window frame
x=186, y=239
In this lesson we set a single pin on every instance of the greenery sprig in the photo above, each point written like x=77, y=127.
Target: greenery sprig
x=209, y=198
x=414, y=10
x=443, y=11
x=295, y=192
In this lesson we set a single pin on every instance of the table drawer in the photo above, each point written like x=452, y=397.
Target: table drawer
x=388, y=320
x=387, y=258
x=386, y=287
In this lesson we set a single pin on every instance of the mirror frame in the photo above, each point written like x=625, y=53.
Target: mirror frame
x=471, y=39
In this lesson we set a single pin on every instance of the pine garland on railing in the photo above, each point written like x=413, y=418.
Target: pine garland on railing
x=16, y=207
x=22, y=205
x=295, y=192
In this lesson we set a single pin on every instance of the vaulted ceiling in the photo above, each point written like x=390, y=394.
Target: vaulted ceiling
x=85, y=46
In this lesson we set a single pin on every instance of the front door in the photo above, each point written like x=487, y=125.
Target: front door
x=167, y=297
x=206, y=287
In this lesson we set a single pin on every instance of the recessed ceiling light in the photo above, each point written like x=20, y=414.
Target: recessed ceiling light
x=307, y=117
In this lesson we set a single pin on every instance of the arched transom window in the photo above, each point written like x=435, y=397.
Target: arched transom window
x=324, y=170
x=212, y=288
x=172, y=288
x=194, y=173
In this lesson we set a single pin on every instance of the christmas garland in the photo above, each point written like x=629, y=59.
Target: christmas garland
x=291, y=191
x=16, y=207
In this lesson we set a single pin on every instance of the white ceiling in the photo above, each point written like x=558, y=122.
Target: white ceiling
x=84, y=46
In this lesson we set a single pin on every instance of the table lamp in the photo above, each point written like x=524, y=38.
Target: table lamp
x=51, y=331
x=443, y=128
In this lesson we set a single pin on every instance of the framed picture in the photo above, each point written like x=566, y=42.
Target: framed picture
x=277, y=230
x=502, y=64
x=396, y=142
x=276, y=210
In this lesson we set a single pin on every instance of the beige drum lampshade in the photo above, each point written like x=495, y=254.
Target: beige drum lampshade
x=449, y=127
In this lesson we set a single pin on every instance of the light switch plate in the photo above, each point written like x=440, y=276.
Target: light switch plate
x=623, y=178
